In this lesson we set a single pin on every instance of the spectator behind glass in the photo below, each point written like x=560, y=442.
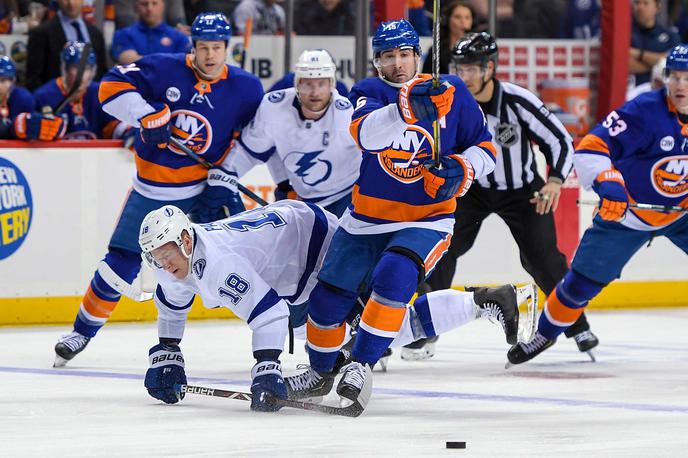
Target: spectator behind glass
x=47, y=41
x=324, y=17
x=650, y=41
x=419, y=17
x=581, y=19
x=522, y=18
x=268, y=17
x=456, y=19
x=148, y=36
x=126, y=15
x=13, y=100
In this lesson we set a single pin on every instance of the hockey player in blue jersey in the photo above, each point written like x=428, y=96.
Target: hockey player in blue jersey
x=84, y=117
x=401, y=218
x=638, y=154
x=13, y=100
x=198, y=100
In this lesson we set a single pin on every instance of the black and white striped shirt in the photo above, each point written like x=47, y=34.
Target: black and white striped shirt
x=515, y=117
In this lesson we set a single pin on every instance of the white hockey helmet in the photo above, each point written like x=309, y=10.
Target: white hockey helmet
x=315, y=63
x=161, y=226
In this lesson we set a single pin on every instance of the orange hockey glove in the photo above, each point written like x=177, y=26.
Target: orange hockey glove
x=610, y=186
x=419, y=101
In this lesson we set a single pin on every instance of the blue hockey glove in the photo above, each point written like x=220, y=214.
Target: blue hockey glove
x=155, y=126
x=166, y=370
x=452, y=180
x=37, y=126
x=610, y=186
x=220, y=192
x=419, y=101
x=267, y=383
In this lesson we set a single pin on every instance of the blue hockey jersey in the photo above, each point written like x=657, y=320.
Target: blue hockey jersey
x=205, y=116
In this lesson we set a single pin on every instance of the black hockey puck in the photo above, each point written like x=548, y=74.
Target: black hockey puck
x=456, y=445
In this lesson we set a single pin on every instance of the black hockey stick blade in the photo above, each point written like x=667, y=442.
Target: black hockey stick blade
x=186, y=150
x=83, y=60
x=354, y=410
x=642, y=206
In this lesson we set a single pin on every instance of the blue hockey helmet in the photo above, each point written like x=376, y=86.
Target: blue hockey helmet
x=211, y=27
x=395, y=34
x=7, y=67
x=677, y=59
x=71, y=54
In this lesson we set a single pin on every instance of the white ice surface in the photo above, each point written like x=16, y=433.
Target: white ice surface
x=633, y=402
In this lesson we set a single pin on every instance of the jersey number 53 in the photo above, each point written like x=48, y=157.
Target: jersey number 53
x=614, y=123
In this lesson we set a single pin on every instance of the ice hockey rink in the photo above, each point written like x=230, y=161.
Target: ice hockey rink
x=632, y=402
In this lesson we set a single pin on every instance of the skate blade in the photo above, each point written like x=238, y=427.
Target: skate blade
x=383, y=364
x=527, y=321
x=60, y=361
x=421, y=354
x=592, y=356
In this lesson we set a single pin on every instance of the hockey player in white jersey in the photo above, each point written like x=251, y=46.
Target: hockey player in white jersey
x=262, y=265
x=305, y=131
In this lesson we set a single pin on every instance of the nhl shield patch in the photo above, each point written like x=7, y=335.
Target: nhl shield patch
x=506, y=134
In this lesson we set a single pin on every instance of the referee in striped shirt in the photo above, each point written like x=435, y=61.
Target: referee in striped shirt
x=514, y=191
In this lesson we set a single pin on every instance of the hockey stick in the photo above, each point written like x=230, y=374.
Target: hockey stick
x=83, y=60
x=655, y=207
x=436, y=152
x=354, y=410
x=248, y=30
x=209, y=165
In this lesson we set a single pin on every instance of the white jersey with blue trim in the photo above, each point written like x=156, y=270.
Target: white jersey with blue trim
x=321, y=158
x=254, y=264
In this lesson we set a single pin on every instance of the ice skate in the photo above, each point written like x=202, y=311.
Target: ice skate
x=586, y=341
x=356, y=384
x=384, y=360
x=309, y=385
x=522, y=352
x=68, y=346
x=419, y=350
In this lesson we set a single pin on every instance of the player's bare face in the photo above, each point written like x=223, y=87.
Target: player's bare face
x=209, y=57
x=70, y=76
x=398, y=65
x=314, y=93
x=677, y=86
x=170, y=258
x=5, y=86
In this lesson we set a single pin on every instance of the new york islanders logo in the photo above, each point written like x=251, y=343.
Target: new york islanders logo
x=404, y=158
x=670, y=176
x=193, y=130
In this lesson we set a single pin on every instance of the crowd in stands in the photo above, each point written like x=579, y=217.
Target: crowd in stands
x=143, y=27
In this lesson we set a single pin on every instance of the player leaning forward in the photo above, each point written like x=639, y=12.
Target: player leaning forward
x=263, y=265
x=637, y=154
x=401, y=219
x=184, y=96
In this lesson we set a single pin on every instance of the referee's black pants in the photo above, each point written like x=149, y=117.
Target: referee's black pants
x=534, y=234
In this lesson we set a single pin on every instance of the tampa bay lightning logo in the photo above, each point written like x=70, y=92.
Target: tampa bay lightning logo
x=276, y=96
x=199, y=268
x=342, y=104
x=309, y=167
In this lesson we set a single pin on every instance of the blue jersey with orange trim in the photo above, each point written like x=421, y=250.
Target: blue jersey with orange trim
x=205, y=115
x=19, y=101
x=389, y=193
x=648, y=144
x=86, y=118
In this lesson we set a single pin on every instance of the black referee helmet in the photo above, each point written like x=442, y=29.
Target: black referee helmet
x=475, y=48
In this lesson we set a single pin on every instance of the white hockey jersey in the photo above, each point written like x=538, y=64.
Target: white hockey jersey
x=321, y=158
x=253, y=264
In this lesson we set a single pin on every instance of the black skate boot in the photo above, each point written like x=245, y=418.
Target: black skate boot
x=356, y=384
x=68, y=346
x=309, y=385
x=586, y=341
x=500, y=304
x=419, y=350
x=525, y=351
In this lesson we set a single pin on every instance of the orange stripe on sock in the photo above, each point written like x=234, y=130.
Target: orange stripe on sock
x=560, y=312
x=325, y=338
x=96, y=306
x=383, y=317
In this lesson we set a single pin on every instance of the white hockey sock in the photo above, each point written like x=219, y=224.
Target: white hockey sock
x=449, y=309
